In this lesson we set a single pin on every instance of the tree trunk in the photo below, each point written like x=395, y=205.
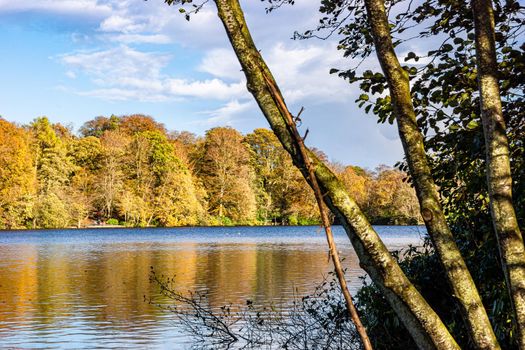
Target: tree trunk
x=499, y=180
x=459, y=278
x=312, y=180
x=426, y=328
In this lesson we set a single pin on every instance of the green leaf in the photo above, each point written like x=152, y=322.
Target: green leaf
x=364, y=97
x=472, y=124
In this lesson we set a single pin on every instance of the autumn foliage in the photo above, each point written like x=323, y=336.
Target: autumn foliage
x=131, y=170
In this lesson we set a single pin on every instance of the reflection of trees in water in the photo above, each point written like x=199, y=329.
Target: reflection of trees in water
x=56, y=281
x=18, y=282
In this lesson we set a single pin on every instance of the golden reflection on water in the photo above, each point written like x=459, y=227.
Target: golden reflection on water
x=52, y=283
x=89, y=294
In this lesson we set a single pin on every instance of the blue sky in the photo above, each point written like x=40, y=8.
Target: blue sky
x=72, y=60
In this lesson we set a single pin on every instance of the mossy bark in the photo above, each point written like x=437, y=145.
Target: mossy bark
x=425, y=326
x=325, y=218
x=499, y=180
x=460, y=280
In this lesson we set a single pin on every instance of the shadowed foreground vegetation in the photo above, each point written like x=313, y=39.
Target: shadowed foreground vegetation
x=131, y=171
x=316, y=321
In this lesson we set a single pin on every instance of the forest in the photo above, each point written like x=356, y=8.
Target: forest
x=131, y=171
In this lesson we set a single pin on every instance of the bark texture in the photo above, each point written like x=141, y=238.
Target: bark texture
x=460, y=280
x=426, y=328
x=312, y=180
x=499, y=180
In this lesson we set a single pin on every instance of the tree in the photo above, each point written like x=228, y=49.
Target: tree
x=86, y=156
x=444, y=99
x=99, y=125
x=499, y=178
x=358, y=182
x=140, y=178
x=391, y=199
x=17, y=176
x=53, y=170
x=455, y=267
x=282, y=193
x=136, y=123
x=175, y=196
x=227, y=176
x=110, y=176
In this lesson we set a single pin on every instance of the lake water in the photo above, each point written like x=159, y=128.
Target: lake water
x=74, y=289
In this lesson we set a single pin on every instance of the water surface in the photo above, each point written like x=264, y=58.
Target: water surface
x=73, y=289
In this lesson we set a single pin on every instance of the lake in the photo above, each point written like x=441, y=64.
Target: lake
x=85, y=289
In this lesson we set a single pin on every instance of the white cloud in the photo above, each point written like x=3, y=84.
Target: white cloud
x=121, y=94
x=225, y=115
x=212, y=89
x=113, y=65
x=221, y=63
x=125, y=73
x=302, y=70
x=140, y=38
x=71, y=74
x=118, y=23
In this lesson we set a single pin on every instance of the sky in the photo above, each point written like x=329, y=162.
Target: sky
x=73, y=60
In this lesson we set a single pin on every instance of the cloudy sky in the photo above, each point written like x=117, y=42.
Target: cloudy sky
x=72, y=60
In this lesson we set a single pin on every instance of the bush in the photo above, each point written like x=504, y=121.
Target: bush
x=112, y=222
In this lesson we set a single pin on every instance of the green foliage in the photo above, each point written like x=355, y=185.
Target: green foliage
x=53, y=170
x=51, y=211
x=112, y=221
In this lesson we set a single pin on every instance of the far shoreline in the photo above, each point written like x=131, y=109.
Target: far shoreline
x=120, y=227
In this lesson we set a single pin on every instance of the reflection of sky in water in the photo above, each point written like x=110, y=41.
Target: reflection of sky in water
x=85, y=289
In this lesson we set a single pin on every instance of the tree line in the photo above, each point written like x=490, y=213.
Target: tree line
x=131, y=170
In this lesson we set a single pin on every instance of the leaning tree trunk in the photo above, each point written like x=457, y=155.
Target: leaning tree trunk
x=325, y=219
x=499, y=180
x=424, y=325
x=459, y=278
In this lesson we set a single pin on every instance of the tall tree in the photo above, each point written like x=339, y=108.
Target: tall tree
x=53, y=169
x=227, y=176
x=140, y=179
x=97, y=126
x=110, y=176
x=444, y=98
x=359, y=183
x=135, y=123
x=86, y=156
x=283, y=195
x=17, y=176
x=176, y=198
x=391, y=199
x=455, y=267
x=499, y=179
